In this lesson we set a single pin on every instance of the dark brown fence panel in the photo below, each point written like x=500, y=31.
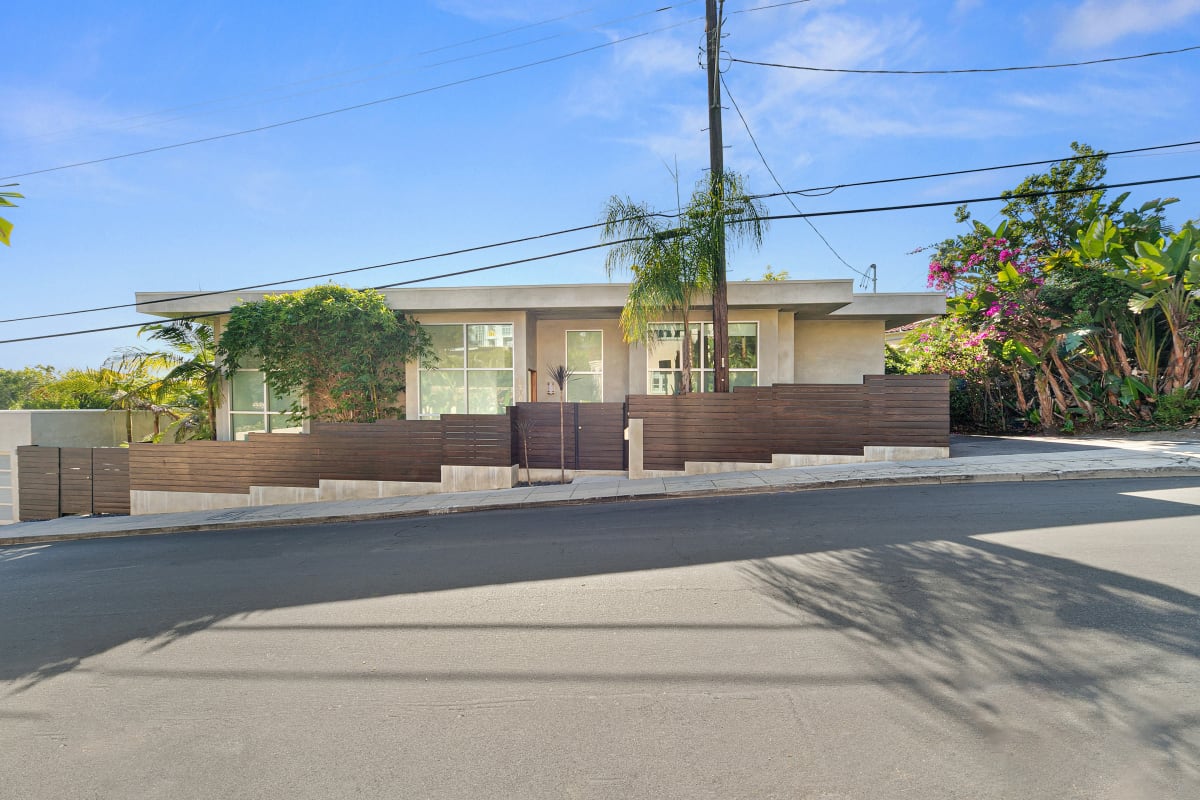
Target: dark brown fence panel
x=752, y=424
x=37, y=482
x=75, y=474
x=393, y=450
x=269, y=459
x=110, y=480
x=600, y=436
x=909, y=410
x=481, y=440
x=593, y=435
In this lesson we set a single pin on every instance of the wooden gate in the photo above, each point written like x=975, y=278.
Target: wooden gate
x=594, y=435
x=57, y=481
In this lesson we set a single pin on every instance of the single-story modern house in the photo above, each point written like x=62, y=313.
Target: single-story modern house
x=495, y=343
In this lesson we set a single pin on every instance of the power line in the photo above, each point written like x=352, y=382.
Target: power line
x=149, y=116
x=334, y=273
x=355, y=107
x=967, y=71
x=313, y=79
x=427, y=278
x=877, y=209
x=1100, y=187
x=764, y=8
x=787, y=196
x=826, y=190
x=579, y=228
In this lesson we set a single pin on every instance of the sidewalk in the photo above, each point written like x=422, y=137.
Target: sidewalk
x=976, y=459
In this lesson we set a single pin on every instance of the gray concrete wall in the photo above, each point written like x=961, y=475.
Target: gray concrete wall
x=838, y=352
x=86, y=427
x=56, y=428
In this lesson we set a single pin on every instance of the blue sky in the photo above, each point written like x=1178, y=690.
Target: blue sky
x=535, y=149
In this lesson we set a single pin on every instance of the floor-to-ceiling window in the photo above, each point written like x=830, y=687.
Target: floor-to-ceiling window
x=585, y=357
x=664, y=357
x=473, y=373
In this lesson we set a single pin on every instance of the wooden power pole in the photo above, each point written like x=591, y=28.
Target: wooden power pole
x=716, y=158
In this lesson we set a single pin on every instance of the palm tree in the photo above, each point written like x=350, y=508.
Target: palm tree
x=560, y=375
x=190, y=368
x=666, y=280
x=673, y=265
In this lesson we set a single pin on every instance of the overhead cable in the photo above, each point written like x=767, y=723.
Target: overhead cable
x=787, y=196
x=514, y=262
x=967, y=71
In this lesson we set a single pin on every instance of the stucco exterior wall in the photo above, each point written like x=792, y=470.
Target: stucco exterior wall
x=551, y=350
x=840, y=351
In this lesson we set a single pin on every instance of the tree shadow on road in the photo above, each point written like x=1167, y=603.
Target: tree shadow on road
x=971, y=620
x=888, y=575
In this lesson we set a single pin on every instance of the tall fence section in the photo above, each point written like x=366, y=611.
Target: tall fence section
x=753, y=424
x=56, y=481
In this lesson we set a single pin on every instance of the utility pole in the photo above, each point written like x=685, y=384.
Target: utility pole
x=716, y=159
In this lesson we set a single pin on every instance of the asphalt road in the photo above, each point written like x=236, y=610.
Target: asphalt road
x=987, y=641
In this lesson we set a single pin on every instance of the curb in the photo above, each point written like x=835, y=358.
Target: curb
x=1165, y=471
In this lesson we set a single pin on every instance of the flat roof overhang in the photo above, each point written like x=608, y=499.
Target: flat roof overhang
x=826, y=299
x=597, y=299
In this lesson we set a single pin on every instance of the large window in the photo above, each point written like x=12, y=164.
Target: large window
x=253, y=408
x=665, y=356
x=585, y=356
x=474, y=371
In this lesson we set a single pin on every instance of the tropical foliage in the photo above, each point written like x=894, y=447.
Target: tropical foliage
x=1074, y=310
x=672, y=257
x=181, y=380
x=342, y=349
x=6, y=201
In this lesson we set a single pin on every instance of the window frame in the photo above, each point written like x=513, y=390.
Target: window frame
x=700, y=370
x=265, y=415
x=598, y=373
x=465, y=370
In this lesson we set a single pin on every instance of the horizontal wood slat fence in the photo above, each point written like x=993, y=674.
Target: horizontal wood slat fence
x=749, y=425
x=753, y=423
x=389, y=450
x=55, y=481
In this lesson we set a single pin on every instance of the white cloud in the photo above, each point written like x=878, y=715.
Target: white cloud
x=496, y=10
x=1099, y=22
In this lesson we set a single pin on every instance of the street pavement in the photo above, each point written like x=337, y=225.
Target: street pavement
x=997, y=641
x=973, y=459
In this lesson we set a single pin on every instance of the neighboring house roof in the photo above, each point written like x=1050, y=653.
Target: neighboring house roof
x=896, y=335
x=818, y=299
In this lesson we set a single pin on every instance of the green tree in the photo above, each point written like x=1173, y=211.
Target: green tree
x=1049, y=294
x=344, y=349
x=182, y=379
x=673, y=265
x=17, y=384
x=6, y=201
x=666, y=280
x=75, y=388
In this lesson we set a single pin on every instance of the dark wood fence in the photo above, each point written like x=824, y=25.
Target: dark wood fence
x=594, y=435
x=753, y=423
x=389, y=450
x=56, y=481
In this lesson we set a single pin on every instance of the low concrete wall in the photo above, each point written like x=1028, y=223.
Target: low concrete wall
x=471, y=479
x=361, y=490
x=282, y=495
x=146, y=502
